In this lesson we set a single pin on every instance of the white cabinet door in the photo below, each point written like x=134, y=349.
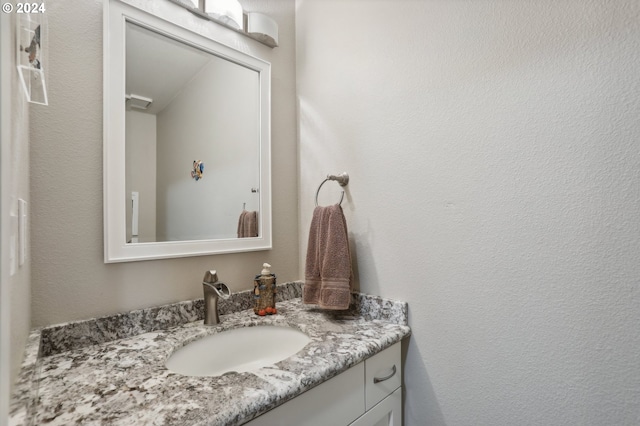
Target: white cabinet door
x=387, y=412
x=337, y=401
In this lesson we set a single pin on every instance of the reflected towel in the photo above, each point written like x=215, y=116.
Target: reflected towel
x=248, y=224
x=328, y=265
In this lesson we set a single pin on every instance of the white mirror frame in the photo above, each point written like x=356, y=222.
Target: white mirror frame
x=116, y=14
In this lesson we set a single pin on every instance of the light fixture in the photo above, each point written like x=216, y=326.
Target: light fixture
x=190, y=3
x=229, y=12
x=137, y=101
x=262, y=27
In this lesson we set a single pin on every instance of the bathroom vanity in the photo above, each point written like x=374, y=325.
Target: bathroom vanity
x=368, y=394
x=112, y=370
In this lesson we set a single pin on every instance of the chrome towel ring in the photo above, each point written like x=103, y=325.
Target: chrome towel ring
x=342, y=179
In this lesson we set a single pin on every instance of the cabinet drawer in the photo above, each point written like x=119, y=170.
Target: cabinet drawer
x=383, y=375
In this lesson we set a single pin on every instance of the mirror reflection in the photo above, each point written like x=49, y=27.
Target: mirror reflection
x=192, y=142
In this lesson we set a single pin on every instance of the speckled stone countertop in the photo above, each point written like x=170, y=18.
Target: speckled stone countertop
x=112, y=370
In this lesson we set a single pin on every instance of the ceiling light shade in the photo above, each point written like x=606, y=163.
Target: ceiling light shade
x=263, y=27
x=190, y=3
x=228, y=12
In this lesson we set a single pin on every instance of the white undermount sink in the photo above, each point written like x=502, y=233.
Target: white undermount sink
x=237, y=350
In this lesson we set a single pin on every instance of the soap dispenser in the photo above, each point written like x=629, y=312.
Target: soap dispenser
x=264, y=292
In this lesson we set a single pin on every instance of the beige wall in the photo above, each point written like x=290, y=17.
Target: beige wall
x=495, y=186
x=70, y=280
x=14, y=181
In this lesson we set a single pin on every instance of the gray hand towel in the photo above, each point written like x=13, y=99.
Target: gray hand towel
x=248, y=224
x=328, y=265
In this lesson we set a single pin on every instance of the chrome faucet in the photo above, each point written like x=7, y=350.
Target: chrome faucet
x=212, y=289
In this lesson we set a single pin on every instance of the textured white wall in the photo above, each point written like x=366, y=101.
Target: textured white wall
x=495, y=186
x=70, y=280
x=14, y=185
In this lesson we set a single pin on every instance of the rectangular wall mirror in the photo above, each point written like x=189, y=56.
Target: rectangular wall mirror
x=186, y=141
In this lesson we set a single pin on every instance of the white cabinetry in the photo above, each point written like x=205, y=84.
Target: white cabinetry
x=383, y=391
x=368, y=394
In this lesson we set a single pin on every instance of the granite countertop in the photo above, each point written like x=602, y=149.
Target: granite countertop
x=111, y=370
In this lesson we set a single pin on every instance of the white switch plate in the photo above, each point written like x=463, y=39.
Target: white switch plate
x=22, y=231
x=135, y=203
x=13, y=244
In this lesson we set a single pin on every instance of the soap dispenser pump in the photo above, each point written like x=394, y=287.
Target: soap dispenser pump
x=264, y=292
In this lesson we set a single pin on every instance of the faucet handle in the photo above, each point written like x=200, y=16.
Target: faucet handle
x=210, y=277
